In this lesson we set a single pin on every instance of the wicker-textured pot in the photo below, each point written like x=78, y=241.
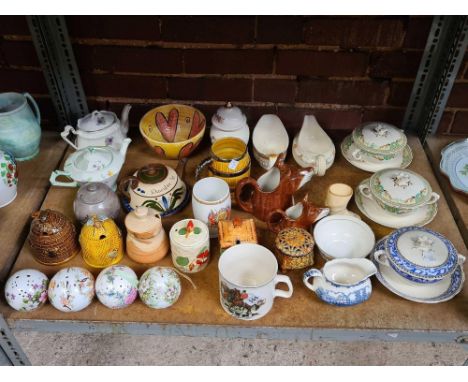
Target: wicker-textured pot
x=52, y=237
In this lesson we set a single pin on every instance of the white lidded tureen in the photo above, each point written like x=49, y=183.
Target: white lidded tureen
x=399, y=191
x=379, y=138
x=92, y=164
x=229, y=122
x=419, y=254
x=99, y=128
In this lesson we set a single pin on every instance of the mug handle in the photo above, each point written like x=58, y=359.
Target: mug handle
x=434, y=198
x=64, y=135
x=37, y=112
x=123, y=184
x=55, y=174
x=365, y=191
x=272, y=226
x=356, y=154
x=283, y=293
x=246, y=205
x=381, y=257
x=312, y=272
x=205, y=162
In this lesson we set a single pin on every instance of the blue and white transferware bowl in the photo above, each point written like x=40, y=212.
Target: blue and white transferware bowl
x=419, y=254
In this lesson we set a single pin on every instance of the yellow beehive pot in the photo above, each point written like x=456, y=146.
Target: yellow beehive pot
x=101, y=242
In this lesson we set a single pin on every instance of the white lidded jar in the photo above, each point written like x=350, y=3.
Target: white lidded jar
x=229, y=122
x=190, y=245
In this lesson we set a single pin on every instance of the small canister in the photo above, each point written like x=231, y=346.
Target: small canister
x=294, y=248
x=236, y=231
x=96, y=198
x=101, y=242
x=190, y=245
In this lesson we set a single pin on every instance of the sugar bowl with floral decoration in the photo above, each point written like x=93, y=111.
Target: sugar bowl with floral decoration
x=117, y=286
x=26, y=290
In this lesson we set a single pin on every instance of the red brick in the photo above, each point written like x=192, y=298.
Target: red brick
x=210, y=89
x=223, y=61
x=254, y=113
x=114, y=27
x=14, y=25
x=445, y=123
x=18, y=53
x=400, y=93
x=458, y=96
x=275, y=90
x=460, y=123
x=110, y=85
x=394, y=64
x=280, y=29
x=353, y=32
x=388, y=115
x=312, y=63
x=214, y=29
x=128, y=59
x=342, y=92
x=22, y=81
x=417, y=32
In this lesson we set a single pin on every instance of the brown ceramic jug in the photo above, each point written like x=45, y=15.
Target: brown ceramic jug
x=273, y=190
x=300, y=215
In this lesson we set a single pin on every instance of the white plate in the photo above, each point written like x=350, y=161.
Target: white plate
x=371, y=164
x=454, y=164
x=433, y=293
x=370, y=208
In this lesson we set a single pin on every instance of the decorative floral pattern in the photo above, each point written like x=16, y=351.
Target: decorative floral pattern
x=167, y=205
x=8, y=170
x=216, y=215
x=465, y=170
x=240, y=303
x=159, y=287
x=26, y=290
x=198, y=263
x=117, y=286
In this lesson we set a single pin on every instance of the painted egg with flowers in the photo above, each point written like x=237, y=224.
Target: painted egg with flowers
x=117, y=286
x=159, y=287
x=26, y=290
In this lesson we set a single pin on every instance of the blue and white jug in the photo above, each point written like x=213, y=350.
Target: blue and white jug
x=20, y=130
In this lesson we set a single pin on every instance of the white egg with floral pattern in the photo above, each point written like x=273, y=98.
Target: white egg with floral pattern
x=117, y=286
x=159, y=287
x=26, y=290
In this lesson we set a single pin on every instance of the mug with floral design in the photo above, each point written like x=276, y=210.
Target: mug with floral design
x=8, y=178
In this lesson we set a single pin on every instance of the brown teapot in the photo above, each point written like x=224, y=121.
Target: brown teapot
x=300, y=215
x=273, y=190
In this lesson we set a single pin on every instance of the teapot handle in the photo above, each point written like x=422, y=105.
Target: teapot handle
x=64, y=135
x=205, y=162
x=246, y=205
x=123, y=184
x=274, y=221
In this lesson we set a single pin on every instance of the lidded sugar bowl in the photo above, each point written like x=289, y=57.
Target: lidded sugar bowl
x=96, y=198
x=147, y=241
x=229, y=122
x=294, y=248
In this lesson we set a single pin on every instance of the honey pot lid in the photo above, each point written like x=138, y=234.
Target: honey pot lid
x=189, y=232
x=294, y=242
x=143, y=220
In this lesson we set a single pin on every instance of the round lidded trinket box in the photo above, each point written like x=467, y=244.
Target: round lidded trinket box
x=52, y=238
x=379, y=138
x=96, y=198
x=117, y=286
x=159, y=287
x=190, y=245
x=294, y=248
x=26, y=290
x=101, y=242
x=71, y=289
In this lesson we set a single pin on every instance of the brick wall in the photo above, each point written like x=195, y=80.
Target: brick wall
x=342, y=69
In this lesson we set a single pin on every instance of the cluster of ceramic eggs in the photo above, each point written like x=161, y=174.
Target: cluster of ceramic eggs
x=72, y=289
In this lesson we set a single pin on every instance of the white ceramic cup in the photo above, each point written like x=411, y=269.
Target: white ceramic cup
x=8, y=178
x=211, y=202
x=247, y=280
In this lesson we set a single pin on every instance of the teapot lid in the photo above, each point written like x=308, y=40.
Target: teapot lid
x=189, y=232
x=97, y=120
x=93, y=193
x=143, y=220
x=229, y=118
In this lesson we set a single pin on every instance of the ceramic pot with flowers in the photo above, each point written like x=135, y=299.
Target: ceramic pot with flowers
x=8, y=178
x=229, y=122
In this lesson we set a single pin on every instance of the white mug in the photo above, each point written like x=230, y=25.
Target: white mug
x=211, y=202
x=247, y=280
x=8, y=178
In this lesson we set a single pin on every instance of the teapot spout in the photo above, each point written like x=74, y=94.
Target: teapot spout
x=124, y=147
x=124, y=119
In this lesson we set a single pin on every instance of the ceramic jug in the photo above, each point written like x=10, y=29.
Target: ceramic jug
x=8, y=178
x=20, y=130
x=300, y=215
x=100, y=128
x=273, y=190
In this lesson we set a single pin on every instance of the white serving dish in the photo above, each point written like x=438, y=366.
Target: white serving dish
x=454, y=164
x=343, y=236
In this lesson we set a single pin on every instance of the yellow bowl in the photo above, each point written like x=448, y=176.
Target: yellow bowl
x=173, y=131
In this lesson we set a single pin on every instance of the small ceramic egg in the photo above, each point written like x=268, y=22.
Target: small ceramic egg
x=117, y=286
x=159, y=287
x=71, y=289
x=26, y=290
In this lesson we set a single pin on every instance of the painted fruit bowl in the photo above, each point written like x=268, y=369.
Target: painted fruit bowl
x=173, y=131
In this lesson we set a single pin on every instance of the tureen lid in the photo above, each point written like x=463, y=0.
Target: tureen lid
x=294, y=242
x=155, y=179
x=143, y=220
x=379, y=138
x=421, y=252
x=97, y=120
x=189, y=232
x=229, y=118
x=397, y=187
x=93, y=193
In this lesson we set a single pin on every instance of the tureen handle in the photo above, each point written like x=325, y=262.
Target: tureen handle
x=307, y=275
x=434, y=198
x=55, y=174
x=381, y=257
x=357, y=154
x=365, y=191
x=64, y=135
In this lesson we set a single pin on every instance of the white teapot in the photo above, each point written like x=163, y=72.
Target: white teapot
x=100, y=128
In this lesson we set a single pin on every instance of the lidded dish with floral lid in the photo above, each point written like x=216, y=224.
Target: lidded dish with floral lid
x=379, y=138
x=294, y=248
x=229, y=121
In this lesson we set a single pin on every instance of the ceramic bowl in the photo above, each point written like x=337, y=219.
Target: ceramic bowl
x=159, y=287
x=71, y=289
x=173, y=131
x=117, y=286
x=343, y=236
x=26, y=290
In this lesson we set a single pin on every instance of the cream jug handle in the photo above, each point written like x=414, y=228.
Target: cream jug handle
x=381, y=257
x=55, y=174
x=307, y=275
x=283, y=293
x=64, y=135
x=34, y=104
x=365, y=191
